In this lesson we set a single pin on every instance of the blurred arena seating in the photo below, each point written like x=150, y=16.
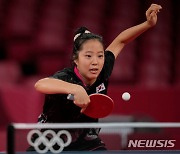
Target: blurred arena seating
x=36, y=39
x=34, y=30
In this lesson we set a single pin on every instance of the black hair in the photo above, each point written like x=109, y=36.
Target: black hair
x=82, y=35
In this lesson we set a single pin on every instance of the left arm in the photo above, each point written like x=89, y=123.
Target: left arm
x=131, y=33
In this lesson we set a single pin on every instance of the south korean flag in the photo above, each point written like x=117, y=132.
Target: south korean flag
x=100, y=88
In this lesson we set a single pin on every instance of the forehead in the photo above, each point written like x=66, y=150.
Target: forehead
x=92, y=44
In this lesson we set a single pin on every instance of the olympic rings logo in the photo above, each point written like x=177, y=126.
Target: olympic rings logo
x=49, y=143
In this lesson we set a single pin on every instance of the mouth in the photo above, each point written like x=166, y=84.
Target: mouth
x=94, y=70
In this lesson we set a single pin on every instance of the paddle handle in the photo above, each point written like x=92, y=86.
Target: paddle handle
x=70, y=97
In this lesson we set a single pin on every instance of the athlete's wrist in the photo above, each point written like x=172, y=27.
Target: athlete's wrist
x=74, y=88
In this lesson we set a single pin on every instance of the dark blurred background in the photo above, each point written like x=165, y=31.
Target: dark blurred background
x=36, y=39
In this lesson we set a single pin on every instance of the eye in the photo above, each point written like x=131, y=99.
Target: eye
x=88, y=56
x=100, y=56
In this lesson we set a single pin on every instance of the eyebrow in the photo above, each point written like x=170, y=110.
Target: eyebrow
x=92, y=52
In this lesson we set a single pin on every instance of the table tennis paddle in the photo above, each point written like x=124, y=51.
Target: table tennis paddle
x=100, y=105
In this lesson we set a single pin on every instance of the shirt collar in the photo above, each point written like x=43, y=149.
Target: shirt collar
x=76, y=71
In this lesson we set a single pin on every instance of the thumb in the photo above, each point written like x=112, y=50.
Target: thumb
x=153, y=14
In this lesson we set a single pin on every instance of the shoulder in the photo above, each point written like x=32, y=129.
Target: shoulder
x=108, y=65
x=109, y=54
x=64, y=74
x=109, y=57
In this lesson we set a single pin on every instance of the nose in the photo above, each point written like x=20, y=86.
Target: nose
x=94, y=61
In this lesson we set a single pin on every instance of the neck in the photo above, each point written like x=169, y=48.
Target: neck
x=84, y=81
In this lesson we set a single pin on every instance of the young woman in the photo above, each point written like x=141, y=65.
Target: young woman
x=92, y=66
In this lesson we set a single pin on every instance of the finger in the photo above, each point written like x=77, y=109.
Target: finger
x=78, y=104
x=155, y=8
x=83, y=109
x=153, y=14
x=84, y=106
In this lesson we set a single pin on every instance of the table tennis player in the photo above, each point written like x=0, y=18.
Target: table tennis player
x=92, y=66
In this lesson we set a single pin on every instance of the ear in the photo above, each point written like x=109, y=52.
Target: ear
x=76, y=62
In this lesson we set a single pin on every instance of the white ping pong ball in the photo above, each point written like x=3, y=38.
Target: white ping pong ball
x=126, y=96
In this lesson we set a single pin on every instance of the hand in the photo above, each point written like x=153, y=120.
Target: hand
x=81, y=98
x=151, y=14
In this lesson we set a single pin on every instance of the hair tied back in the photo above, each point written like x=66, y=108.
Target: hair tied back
x=77, y=35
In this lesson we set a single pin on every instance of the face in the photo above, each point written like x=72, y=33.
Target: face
x=90, y=60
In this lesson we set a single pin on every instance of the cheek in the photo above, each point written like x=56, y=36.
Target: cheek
x=81, y=64
x=102, y=63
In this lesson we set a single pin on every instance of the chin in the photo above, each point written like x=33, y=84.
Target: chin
x=94, y=77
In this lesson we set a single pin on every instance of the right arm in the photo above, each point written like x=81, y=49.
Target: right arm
x=56, y=86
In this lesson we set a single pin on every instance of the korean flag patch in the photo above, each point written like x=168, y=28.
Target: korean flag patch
x=100, y=88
